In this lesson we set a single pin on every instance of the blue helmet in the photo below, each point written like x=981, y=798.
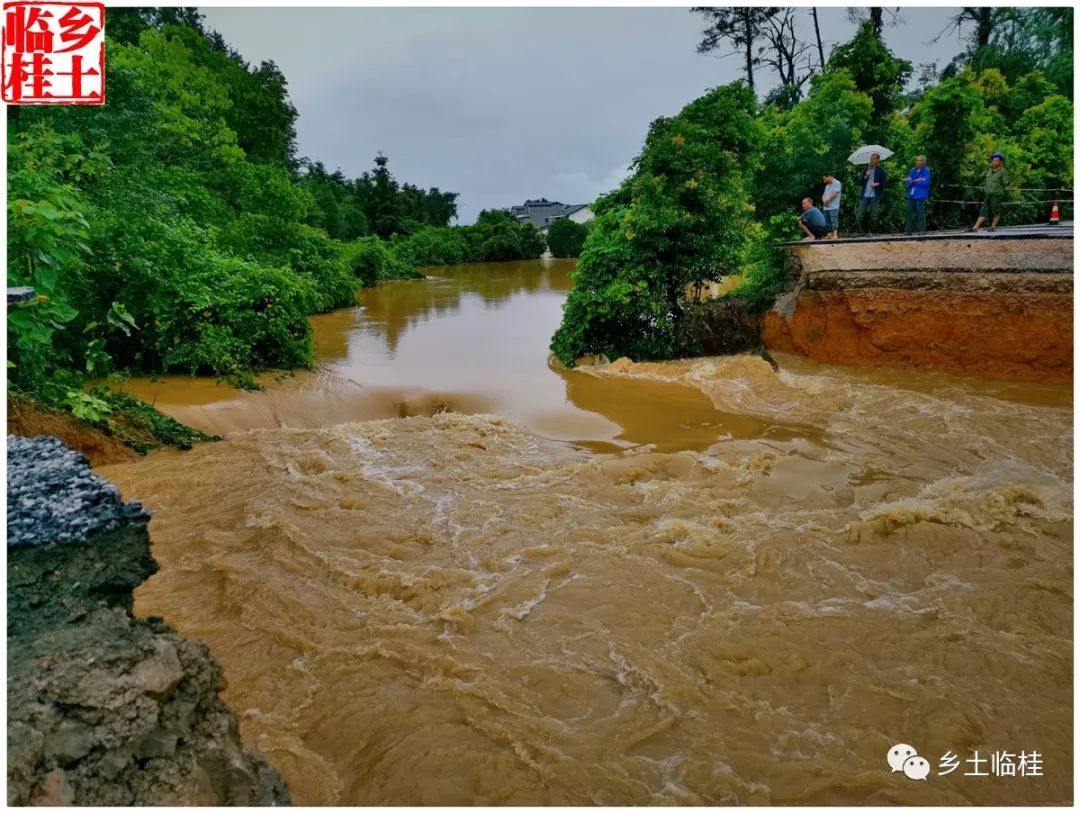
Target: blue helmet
x=998, y=155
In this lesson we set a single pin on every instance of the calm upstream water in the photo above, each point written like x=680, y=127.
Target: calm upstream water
x=439, y=571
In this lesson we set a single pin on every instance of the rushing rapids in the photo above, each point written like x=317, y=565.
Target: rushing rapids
x=685, y=582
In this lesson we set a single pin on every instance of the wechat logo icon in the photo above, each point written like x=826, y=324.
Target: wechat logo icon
x=904, y=759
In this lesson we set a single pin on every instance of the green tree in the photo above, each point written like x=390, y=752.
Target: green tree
x=498, y=237
x=1044, y=136
x=946, y=122
x=373, y=203
x=565, y=238
x=335, y=207
x=384, y=205
x=439, y=207
x=683, y=216
x=372, y=260
x=876, y=72
x=434, y=246
x=532, y=242
x=1015, y=42
x=812, y=139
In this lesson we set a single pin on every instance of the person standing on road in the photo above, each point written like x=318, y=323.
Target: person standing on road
x=873, y=189
x=830, y=203
x=918, y=190
x=995, y=185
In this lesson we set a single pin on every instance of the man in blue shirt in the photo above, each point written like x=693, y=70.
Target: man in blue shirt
x=918, y=190
x=872, y=191
x=812, y=221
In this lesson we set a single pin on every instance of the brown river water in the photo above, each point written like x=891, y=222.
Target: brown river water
x=439, y=571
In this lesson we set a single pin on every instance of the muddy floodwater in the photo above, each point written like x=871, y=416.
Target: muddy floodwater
x=439, y=571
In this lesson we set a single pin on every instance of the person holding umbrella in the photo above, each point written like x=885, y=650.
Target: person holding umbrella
x=994, y=186
x=873, y=188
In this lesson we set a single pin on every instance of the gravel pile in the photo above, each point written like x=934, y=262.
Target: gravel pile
x=54, y=497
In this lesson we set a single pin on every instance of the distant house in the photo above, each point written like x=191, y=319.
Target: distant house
x=543, y=212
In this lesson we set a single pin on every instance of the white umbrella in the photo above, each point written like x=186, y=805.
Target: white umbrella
x=862, y=155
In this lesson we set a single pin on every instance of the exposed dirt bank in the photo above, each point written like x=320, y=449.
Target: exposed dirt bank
x=1014, y=335
x=997, y=308
x=27, y=420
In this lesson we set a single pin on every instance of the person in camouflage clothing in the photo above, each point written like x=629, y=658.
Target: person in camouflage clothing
x=995, y=185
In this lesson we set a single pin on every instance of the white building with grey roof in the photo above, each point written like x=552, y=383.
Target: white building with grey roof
x=543, y=212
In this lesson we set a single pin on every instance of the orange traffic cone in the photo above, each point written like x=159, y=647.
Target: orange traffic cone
x=1055, y=218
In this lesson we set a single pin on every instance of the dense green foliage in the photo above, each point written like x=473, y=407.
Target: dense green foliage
x=446, y=246
x=718, y=185
x=565, y=238
x=498, y=237
x=876, y=72
x=373, y=204
x=495, y=237
x=1017, y=42
x=372, y=260
x=172, y=229
x=682, y=216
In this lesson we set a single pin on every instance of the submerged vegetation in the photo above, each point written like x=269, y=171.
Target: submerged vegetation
x=718, y=184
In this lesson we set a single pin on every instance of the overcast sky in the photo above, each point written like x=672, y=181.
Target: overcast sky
x=504, y=104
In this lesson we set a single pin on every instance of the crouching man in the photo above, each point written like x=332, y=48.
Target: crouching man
x=812, y=221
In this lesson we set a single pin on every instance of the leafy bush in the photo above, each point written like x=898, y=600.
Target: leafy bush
x=47, y=233
x=565, y=238
x=323, y=263
x=232, y=317
x=87, y=407
x=533, y=244
x=497, y=236
x=371, y=261
x=445, y=246
x=764, y=274
x=319, y=261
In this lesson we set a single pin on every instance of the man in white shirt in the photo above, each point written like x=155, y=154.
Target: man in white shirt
x=830, y=203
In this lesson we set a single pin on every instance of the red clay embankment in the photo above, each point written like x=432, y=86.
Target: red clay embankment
x=997, y=308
